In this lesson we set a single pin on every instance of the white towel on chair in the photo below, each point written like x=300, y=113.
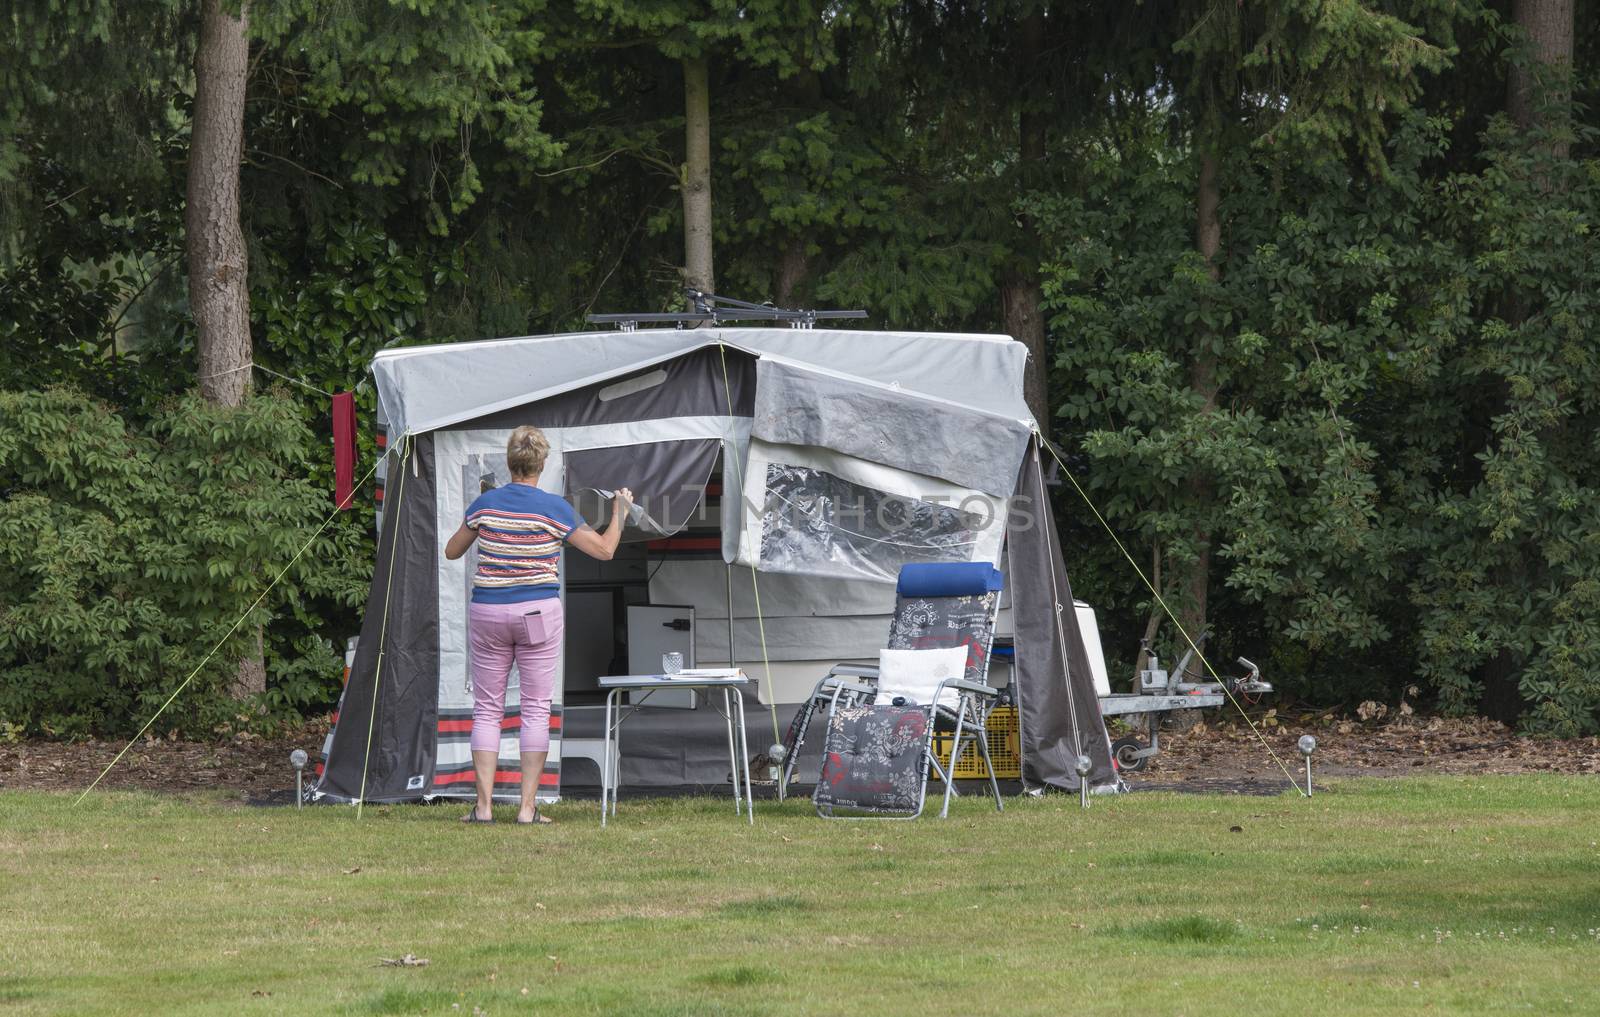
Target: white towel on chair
x=916, y=674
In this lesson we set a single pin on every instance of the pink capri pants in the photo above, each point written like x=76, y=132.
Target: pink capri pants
x=500, y=634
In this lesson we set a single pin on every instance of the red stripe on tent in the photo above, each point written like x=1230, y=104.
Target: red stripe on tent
x=377, y=493
x=383, y=438
x=510, y=723
x=500, y=777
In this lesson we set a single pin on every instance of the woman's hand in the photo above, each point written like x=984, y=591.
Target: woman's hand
x=604, y=545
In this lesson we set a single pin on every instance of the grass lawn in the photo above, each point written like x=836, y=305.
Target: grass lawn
x=1427, y=895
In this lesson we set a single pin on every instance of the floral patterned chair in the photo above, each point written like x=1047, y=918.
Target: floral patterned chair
x=877, y=757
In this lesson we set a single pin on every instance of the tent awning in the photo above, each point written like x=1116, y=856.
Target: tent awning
x=797, y=405
x=424, y=388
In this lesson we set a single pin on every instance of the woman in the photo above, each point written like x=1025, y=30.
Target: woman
x=516, y=609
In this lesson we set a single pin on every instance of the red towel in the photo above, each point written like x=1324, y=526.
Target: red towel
x=344, y=448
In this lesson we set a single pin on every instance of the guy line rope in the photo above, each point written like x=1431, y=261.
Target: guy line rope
x=225, y=637
x=1065, y=472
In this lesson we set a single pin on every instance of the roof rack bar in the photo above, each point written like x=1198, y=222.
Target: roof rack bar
x=707, y=311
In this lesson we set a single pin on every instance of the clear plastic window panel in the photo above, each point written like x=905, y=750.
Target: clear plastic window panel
x=814, y=522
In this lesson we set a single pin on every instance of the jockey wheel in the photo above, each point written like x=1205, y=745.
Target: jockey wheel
x=1125, y=751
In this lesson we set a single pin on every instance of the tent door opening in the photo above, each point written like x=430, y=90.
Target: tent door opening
x=599, y=595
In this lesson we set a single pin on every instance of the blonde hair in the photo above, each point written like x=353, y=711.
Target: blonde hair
x=526, y=451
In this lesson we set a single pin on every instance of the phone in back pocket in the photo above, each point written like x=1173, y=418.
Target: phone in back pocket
x=534, y=624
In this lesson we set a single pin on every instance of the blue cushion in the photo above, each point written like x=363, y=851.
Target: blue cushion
x=957, y=579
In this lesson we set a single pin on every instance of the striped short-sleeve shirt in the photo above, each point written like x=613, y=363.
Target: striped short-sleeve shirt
x=520, y=531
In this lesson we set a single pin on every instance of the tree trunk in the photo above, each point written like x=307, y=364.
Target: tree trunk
x=1022, y=318
x=697, y=176
x=792, y=267
x=1152, y=623
x=218, y=297
x=250, y=676
x=1203, y=382
x=1549, y=28
x=1021, y=295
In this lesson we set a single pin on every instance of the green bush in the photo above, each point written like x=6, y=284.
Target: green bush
x=1401, y=457
x=131, y=553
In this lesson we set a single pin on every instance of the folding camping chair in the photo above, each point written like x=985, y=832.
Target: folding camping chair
x=876, y=756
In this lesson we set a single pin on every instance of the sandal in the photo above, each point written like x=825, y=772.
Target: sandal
x=472, y=817
x=539, y=819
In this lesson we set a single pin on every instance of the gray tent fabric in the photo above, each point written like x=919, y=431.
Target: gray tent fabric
x=699, y=384
x=1060, y=714
x=424, y=388
x=799, y=406
x=668, y=480
x=400, y=764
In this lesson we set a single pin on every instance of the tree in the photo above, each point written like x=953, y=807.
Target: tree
x=697, y=259
x=219, y=295
x=698, y=36
x=1511, y=440
x=1546, y=62
x=1304, y=73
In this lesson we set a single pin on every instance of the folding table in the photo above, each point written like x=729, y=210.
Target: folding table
x=643, y=685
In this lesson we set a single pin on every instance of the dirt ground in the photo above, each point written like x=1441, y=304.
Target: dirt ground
x=1231, y=757
x=1214, y=756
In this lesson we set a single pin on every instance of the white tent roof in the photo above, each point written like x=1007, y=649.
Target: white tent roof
x=422, y=388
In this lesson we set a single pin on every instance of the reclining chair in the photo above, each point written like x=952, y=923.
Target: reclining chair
x=879, y=744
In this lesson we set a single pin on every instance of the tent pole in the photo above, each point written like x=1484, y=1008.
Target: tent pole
x=732, y=659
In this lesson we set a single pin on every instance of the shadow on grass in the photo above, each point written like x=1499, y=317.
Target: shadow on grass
x=409, y=1001
x=884, y=864
x=1358, y=864
x=1158, y=858
x=738, y=977
x=517, y=950
x=1186, y=930
x=620, y=1003
x=14, y=989
x=762, y=907
x=677, y=874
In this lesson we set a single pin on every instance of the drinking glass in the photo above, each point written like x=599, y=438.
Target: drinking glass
x=671, y=663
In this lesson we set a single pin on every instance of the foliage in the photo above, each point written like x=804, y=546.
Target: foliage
x=1396, y=477
x=1373, y=503
x=1507, y=474
x=133, y=552
x=413, y=81
x=1295, y=339
x=1309, y=73
x=87, y=91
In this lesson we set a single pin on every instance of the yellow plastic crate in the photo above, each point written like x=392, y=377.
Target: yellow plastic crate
x=1005, y=748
